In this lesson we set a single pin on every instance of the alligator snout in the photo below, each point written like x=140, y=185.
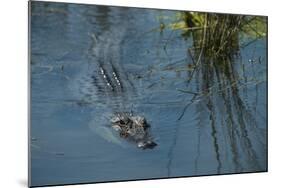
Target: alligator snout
x=147, y=144
x=133, y=128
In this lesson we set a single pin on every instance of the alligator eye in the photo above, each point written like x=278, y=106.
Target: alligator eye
x=122, y=122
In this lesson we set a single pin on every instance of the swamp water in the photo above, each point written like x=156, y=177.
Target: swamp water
x=212, y=123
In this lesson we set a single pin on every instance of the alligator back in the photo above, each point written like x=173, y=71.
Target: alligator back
x=106, y=80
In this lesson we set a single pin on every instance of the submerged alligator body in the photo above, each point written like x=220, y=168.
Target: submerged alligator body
x=113, y=85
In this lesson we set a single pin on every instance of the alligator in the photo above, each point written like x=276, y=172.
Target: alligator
x=131, y=127
x=109, y=78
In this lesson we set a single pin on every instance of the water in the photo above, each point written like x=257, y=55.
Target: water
x=223, y=131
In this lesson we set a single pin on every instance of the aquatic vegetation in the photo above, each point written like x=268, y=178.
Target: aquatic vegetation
x=216, y=55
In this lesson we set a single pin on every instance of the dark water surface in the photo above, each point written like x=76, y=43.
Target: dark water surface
x=222, y=131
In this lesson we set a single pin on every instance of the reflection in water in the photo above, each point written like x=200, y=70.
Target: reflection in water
x=219, y=87
x=198, y=79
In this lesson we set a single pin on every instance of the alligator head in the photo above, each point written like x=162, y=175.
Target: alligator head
x=134, y=128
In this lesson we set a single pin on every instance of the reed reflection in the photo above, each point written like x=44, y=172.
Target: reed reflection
x=219, y=93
